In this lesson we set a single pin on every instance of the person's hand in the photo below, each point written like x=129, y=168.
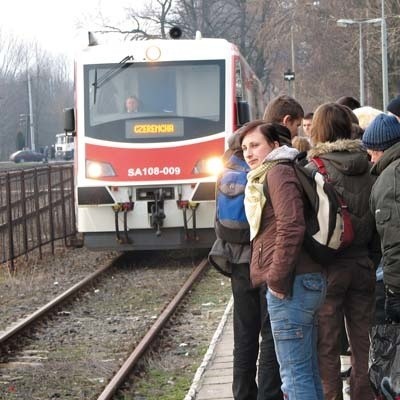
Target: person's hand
x=392, y=307
x=276, y=294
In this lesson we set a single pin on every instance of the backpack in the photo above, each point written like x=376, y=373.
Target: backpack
x=328, y=224
x=230, y=218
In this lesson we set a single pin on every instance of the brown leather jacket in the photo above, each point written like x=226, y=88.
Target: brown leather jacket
x=277, y=250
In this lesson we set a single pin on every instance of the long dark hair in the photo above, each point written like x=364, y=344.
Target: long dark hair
x=272, y=132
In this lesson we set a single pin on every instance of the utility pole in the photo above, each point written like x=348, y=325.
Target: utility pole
x=32, y=131
x=293, y=58
x=23, y=123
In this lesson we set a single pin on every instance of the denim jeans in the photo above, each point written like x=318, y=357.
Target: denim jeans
x=294, y=325
x=250, y=319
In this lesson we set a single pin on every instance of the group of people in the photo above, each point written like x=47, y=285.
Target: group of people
x=289, y=311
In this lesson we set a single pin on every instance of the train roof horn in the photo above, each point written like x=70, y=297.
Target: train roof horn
x=175, y=32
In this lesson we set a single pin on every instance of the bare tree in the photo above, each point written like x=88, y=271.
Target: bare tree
x=150, y=23
x=277, y=35
x=51, y=90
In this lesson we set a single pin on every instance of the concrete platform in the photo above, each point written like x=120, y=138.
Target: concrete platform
x=213, y=379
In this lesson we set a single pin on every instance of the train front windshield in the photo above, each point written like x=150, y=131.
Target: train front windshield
x=173, y=101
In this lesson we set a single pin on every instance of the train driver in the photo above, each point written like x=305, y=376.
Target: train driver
x=132, y=104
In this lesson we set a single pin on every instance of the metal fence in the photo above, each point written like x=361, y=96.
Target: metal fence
x=36, y=209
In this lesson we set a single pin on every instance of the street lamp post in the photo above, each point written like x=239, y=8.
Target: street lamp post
x=385, y=84
x=361, y=66
x=289, y=77
x=346, y=22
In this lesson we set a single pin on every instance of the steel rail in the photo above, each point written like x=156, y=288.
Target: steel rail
x=13, y=331
x=143, y=345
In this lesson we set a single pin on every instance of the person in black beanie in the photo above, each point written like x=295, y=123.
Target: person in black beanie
x=382, y=140
x=394, y=107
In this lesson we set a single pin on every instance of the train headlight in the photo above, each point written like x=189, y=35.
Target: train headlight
x=153, y=53
x=97, y=170
x=209, y=166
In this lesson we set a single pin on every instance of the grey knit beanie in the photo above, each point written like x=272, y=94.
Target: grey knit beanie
x=382, y=132
x=394, y=106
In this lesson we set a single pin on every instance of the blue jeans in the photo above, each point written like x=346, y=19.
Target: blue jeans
x=294, y=325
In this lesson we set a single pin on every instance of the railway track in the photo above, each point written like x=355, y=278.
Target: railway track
x=103, y=370
x=29, y=322
x=148, y=338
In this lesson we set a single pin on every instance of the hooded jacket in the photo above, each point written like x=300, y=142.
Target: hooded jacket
x=277, y=249
x=348, y=168
x=385, y=205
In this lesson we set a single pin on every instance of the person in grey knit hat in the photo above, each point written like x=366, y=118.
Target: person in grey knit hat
x=394, y=107
x=382, y=140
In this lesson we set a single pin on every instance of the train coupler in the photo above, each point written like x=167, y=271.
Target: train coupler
x=157, y=215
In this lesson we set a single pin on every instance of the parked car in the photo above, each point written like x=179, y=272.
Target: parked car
x=27, y=156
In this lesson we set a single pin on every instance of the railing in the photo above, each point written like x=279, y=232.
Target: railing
x=36, y=209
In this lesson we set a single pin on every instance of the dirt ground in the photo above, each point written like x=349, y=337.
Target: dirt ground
x=74, y=355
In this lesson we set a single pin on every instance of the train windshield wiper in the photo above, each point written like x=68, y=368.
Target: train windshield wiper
x=98, y=83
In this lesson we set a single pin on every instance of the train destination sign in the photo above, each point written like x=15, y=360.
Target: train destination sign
x=153, y=128
x=144, y=129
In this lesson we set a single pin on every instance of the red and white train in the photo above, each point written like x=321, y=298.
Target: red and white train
x=146, y=179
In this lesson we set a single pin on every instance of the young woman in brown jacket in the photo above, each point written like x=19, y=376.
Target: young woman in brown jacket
x=296, y=285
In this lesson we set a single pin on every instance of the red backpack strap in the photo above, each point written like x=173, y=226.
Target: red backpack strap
x=320, y=165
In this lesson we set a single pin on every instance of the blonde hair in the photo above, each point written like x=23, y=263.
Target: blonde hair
x=301, y=143
x=366, y=115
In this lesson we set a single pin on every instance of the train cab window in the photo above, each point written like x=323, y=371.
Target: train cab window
x=187, y=97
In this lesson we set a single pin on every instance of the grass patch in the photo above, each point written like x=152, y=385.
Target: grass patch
x=170, y=375
x=163, y=385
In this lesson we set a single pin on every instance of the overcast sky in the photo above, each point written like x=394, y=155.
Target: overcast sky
x=53, y=23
